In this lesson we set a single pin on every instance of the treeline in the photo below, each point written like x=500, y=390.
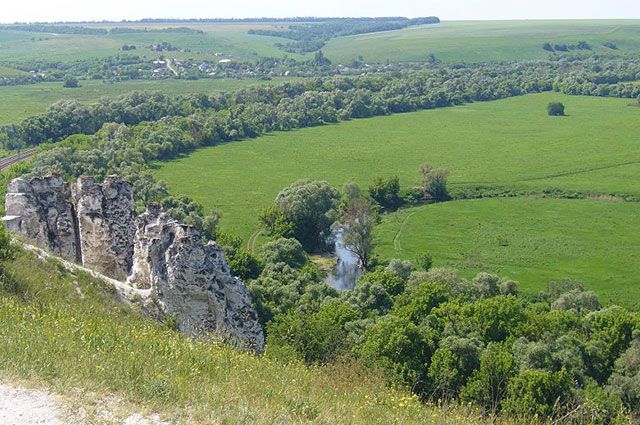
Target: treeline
x=323, y=100
x=312, y=37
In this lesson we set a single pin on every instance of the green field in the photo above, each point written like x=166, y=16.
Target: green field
x=231, y=40
x=20, y=102
x=531, y=240
x=478, y=41
x=511, y=143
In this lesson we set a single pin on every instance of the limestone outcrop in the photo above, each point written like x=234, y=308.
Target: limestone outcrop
x=152, y=256
x=192, y=282
x=41, y=210
x=106, y=225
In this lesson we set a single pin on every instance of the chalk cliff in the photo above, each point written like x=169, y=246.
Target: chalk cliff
x=95, y=226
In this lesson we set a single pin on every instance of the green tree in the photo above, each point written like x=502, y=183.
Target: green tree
x=71, y=82
x=625, y=380
x=537, y=393
x=434, y=182
x=555, y=109
x=488, y=385
x=283, y=250
x=307, y=205
x=386, y=192
x=357, y=224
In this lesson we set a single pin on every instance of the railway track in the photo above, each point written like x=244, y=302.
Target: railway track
x=10, y=160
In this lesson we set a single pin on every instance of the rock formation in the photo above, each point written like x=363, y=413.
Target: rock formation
x=192, y=282
x=41, y=210
x=166, y=262
x=106, y=225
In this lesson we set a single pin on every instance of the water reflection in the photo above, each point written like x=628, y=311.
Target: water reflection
x=346, y=272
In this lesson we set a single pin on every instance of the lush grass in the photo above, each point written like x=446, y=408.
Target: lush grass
x=511, y=143
x=20, y=102
x=64, y=329
x=531, y=240
x=475, y=41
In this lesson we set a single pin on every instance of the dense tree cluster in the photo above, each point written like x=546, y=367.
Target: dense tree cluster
x=535, y=356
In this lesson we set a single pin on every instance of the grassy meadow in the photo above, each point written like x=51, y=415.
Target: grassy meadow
x=67, y=332
x=20, y=102
x=531, y=240
x=510, y=143
x=478, y=41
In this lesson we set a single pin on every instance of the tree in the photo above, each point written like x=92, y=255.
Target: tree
x=548, y=47
x=434, y=182
x=425, y=261
x=488, y=385
x=71, y=82
x=625, y=380
x=283, y=250
x=555, y=109
x=210, y=224
x=539, y=393
x=307, y=205
x=357, y=224
x=386, y=192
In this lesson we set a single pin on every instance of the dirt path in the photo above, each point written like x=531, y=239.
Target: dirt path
x=21, y=406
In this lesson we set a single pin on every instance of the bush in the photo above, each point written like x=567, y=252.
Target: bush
x=386, y=192
x=288, y=251
x=555, y=109
x=434, y=182
x=71, y=82
x=425, y=261
x=536, y=393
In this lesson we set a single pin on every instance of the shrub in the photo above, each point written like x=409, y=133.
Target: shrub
x=425, y=261
x=536, y=393
x=434, y=182
x=71, y=82
x=555, y=109
x=283, y=250
x=386, y=192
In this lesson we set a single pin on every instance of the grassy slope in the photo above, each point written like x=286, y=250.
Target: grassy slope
x=530, y=240
x=73, y=335
x=16, y=46
x=511, y=142
x=474, y=41
x=20, y=102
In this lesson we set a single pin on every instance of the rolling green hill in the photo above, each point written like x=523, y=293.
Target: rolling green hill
x=479, y=41
x=531, y=240
x=511, y=143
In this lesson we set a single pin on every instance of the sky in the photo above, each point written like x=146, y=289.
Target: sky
x=80, y=10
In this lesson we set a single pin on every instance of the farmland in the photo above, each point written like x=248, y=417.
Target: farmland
x=474, y=41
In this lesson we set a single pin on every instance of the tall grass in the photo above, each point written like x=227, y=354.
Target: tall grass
x=66, y=329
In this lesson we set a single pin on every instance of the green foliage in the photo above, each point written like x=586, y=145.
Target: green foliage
x=555, y=109
x=452, y=364
x=392, y=283
x=273, y=219
x=320, y=337
x=71, y=82
x=425, y=261
x=434, y=182
x=488, y=385
x=625, y=380
x=386, y=192
x=356, y=224
x=535, y=393
x=307, y=206
x=288, y=251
